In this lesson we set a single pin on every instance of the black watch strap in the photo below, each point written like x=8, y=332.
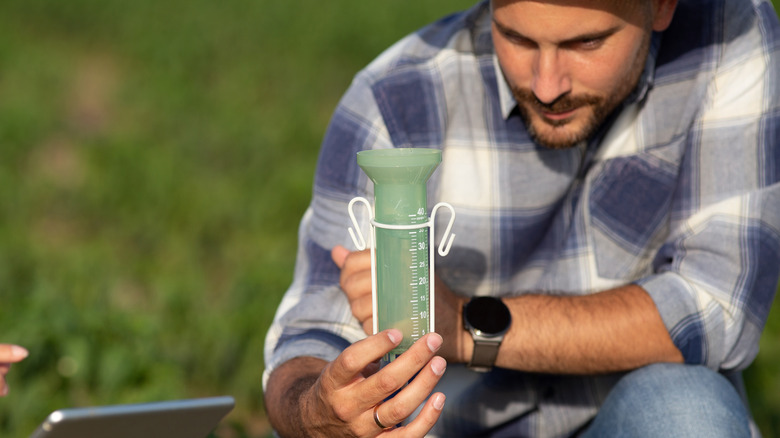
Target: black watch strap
x=484, y=356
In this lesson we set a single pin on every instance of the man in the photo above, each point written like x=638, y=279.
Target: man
x=614, y=167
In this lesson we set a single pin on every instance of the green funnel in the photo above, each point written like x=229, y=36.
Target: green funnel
x=403, y=298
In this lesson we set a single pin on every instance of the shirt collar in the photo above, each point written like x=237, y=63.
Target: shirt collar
x=508, y=103
x=505, y=98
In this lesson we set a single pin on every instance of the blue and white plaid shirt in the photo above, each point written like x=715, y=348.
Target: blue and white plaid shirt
x=678, y=193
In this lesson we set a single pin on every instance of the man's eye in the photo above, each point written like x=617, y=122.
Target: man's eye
x=519, y=40
x=589, y=43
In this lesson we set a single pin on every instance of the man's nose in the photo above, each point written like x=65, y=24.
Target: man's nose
x=551, y=77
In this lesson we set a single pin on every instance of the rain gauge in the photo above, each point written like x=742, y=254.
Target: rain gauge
x=402, y=248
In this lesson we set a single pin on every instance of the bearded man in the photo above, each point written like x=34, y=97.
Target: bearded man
x=614, y=166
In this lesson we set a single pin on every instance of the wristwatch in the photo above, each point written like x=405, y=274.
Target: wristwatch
x=487, y=319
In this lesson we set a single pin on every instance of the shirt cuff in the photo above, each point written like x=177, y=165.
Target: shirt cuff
x=676, y=303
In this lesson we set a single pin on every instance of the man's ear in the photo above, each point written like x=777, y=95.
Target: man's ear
x=663, y=13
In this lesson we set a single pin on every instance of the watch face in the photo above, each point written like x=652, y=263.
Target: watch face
x=489, y=315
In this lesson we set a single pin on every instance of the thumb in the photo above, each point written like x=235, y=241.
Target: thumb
x=339, y=255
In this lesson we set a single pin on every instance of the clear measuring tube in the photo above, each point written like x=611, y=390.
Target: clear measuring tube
x=402, y=247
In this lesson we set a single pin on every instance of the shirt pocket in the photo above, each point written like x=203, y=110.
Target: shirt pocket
x=629, y=204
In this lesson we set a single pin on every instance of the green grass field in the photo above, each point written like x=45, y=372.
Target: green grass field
x=155, y=158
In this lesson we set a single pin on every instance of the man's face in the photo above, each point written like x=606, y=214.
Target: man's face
x=570, y=63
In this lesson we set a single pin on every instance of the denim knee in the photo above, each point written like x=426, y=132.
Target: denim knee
x=672, y=400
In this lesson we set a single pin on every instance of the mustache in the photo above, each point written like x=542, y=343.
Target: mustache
x=564, y=103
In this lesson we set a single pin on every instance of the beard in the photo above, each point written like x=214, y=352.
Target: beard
x=560, y=134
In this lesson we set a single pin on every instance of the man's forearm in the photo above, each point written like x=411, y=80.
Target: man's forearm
x=615, y=330
x=284, y=394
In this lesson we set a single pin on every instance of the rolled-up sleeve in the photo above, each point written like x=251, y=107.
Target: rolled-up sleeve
x=716, y=288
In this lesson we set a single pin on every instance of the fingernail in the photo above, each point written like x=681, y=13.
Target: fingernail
x=19, y=352
x=434, y=342
x=395, y=336
x=438, y=401
x=438, y=365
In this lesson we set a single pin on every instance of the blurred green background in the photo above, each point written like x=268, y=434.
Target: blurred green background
x=155, y=158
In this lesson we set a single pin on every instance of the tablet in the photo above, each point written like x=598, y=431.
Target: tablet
x=192, y=418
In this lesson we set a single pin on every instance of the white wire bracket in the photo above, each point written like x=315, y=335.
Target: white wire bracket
x=354, y=231
x=443, y=250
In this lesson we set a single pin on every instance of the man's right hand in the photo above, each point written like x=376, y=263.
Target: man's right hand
x=310, y=397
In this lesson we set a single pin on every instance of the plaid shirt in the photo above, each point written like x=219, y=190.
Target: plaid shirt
x=678, y=193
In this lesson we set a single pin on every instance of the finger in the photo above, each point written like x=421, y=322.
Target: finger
x=355, y=277
x=339, y=255
x=3, y=387
x=406, y=401
x=368, y=326
x=356, y=284
x=423, y=423
x=350, y=260
x=359, y=355
x=355, y=261
x=362, y=308
x=4, y=368
x=12, y=353
x=400, y=371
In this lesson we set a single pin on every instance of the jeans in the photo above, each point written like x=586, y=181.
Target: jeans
x=668, y=400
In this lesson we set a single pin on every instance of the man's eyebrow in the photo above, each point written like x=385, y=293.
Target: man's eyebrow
x=507, y=31
x=583, y=37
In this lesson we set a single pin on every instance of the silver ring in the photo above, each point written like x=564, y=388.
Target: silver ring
x=376, y=419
